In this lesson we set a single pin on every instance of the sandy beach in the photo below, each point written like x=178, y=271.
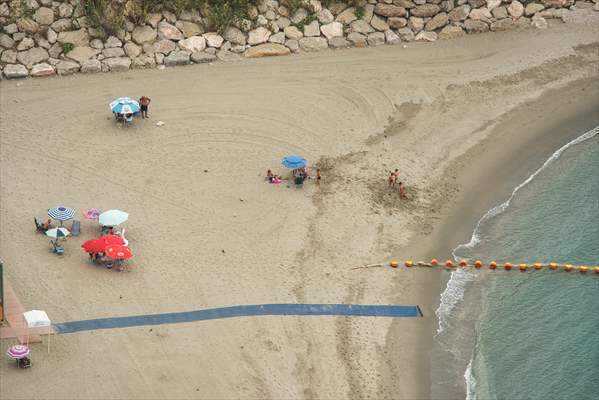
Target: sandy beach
x=463, y=121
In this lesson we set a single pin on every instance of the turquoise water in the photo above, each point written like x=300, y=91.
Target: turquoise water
x=538, y=333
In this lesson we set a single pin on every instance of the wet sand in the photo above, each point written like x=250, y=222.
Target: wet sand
x=207, y=231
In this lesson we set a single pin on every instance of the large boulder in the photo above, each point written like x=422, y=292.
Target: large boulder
x=325, y=16
x=376, y=38
x=502, y=25
x=213, y=39
x=202, y=57
x=91, y=66
x=278, y=37
x=25, y=44
x=9, y=56
x=346, y=17
x=118, y=63
x=32, y=56
x=357, y=39
x=267, y=50
x=193, y=44
x=389, y=10
x=164, y=46
x=361, y=26
x=391, y=37
x=516, y=9
x=76, y=38
x=426, y=36
x=190, y=29
x=235, y=36
x=379, y=23
x=459, y=13
x=425, y=10
x=474, y=26
x=6, y=41
x=334, y=29
x=132, y=50
x=67, y=67
x=227, y=56
x=339, y=43
x=406, y=34
x=168, y=31
x=44, y=16
x=451, y=32
x=310, y=44
x=65, y=10
x=538, y=22
x=291, y=32
x=438, y=21
x=258, y=35
x=14, y=71
x=113, y=41
x=143, y=34
x=177, y=58
x=42, y=69
x=81, y=54
x=27, y=25
x=481, y=14
x=312, y=29
x=397, y=22
x=533, y=8
x=113, y=52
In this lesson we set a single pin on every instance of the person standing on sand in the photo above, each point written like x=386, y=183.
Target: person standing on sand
x=318, y=176
x=144, y=101
x=391, y=179
x=396, y=176
x=402, y=191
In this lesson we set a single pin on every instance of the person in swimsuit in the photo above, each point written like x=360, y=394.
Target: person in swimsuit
x=402, y=191
x=318, y=176
x=269, y=176
x=391, y=179
x=144, y=102
x=396, y=174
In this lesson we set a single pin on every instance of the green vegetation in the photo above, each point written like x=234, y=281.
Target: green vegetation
x=306, y=21
x=223, y=13
x=359, y=12
x=105, y=15
x=66, y=47
x=21, y=9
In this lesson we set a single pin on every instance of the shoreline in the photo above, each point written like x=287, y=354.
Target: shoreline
x=500, y=174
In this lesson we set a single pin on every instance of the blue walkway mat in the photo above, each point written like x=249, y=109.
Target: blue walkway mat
x=239, y=311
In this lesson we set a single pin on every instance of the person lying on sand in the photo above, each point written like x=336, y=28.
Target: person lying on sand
x=276, y=180
x=402, y=191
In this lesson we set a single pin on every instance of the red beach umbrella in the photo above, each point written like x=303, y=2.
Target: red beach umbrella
x=112, y=239
x=94, y=246
x=118, y=252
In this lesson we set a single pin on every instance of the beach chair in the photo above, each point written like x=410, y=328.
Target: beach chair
x=56, y=248
x=24, y=362
x=75, y=228
x=299, y=182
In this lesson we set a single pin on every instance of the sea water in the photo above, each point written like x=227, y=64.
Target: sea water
x=533, y=335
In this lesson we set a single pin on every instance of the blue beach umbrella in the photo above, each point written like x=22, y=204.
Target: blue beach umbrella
x=124, y=105
x=61, y=213
x=294, y=162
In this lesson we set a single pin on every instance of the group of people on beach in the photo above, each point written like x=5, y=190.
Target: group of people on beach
x=299, y=176
x=393, y=181
x=144, y=103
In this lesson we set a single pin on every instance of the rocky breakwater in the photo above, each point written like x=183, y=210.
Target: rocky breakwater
x=44, y=37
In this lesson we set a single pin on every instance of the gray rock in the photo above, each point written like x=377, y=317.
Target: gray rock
x=76, y=38
x=368, y=12
x=515, y=9
x=159, y=58
x=213, y=39
x=238, y=49
x=258, y=35
x=332, y=30
x=477, y=3
x=153, y=19
x=312, y=29
x=325, y=16
x=32, y=56
x=502, y=25
x=404, y=3
x=299, y=15
x=426, y=36
x=62, y=25
x=357, y=39
x=291, y=32
x=55, y=50
x=292, y=45
x=44, y=16
x=113, y=41
x=277, y=38
x=177, y=58
x=113, y=52
x=143, y=34
x=42, y=42
x=9, y=56
x=164, y=46
x=499, y=12
x=51, y=36
x=261, y=20
x=118, y=63
x=379, y=23
x=347, y=16
x=25, y=44
x=337, y=7
x=473, y=26
x=169, y=32
x=234, y=36
x=132, y=50
x=193, y=44
x=416, y=24
x=392, y=37
x=491, y=4
x=283, y=23
x=67, y=67
x=311, y=44
x=91, y=66
x=6, y=41
x=451, y=32
x=533, y=8
x=15, y=71
x=482, y=14
x=143, y=61
x=389, y=10
x=27, y=25
x=11, y=28
x=438, y=21
x=227, y=56
x=425, y=10
x=339, y=43
x=459, y=13
x=270, y=15
x=406, y=34
x=81, y=54
x=397, y=22
x=376, y=38
x=65, y=10
x=267, y=50
x=4, y=9
x=361, y=26
x=190, y=29
x=538, y=22
x=96, y=44
x=169, y=16
x=42, y=69
x=202, y=57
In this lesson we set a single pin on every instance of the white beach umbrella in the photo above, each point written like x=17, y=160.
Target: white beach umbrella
x=113, y=218
x=58, y=232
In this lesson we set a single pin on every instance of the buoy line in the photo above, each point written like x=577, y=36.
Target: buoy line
x=493, y=265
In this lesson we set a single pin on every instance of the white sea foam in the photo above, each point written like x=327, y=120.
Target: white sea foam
x=454, y=292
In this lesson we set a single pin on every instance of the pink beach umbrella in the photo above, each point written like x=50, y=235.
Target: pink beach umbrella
x=18, y=351
x=92, y=213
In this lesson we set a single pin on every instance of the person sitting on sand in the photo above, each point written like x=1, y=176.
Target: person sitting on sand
x=47, y=225
x=402, y=191
x=276, y=179
x=269, y=176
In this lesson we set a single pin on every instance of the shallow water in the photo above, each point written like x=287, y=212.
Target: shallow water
x=529, y=335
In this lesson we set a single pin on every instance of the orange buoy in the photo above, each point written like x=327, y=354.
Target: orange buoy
x=493, y=265
x=394, y=263
x=523, y=267
x=463, y=263
x=568, y=267
x=409, y=263
x=507, y=266
x=478, y=264
x=553, y=266
x=434, y=262
x=538, y=265
x=449, y=263
x=596, y=269
x=583, y=269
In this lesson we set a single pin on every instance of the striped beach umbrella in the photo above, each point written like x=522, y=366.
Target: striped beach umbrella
x=113, y=218
x=61, y=213
x=58, y=232
x=18, y=351
x=125, y=105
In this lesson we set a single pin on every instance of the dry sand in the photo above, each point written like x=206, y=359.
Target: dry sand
x=207, y=231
